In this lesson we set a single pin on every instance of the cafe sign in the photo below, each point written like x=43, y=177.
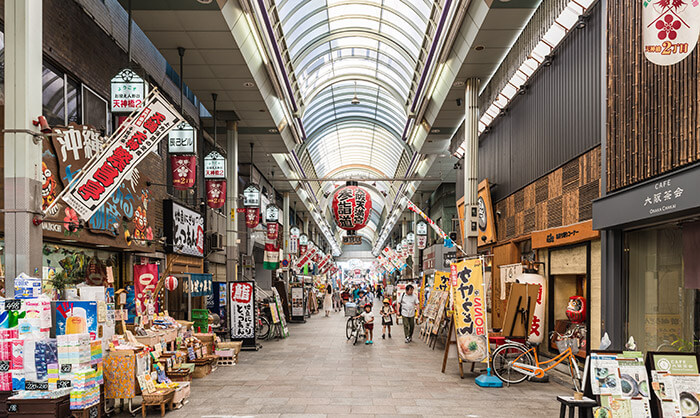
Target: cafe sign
x=182, y=140
x=214, y=166
x=128, y=92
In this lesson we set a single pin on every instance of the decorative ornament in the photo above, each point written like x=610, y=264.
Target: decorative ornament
x=171, y=283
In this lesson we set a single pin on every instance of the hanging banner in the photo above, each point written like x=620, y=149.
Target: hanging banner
x=670, y=29
x=252, y=217
x=128, y=91
x=184, y=170
x=182, y=140
x=393, y=258
x=243, y=311
x=272, y=252
x=145, y=281
x=216, y=193
x=272, y=230
x=184, y=229
x=199, y=285
x=129, y=145
x=422, y=241
x=214, y=166
x=470, y=310
x=306, y=257
x=442, y=281
x=293, y=245
x=446, y=239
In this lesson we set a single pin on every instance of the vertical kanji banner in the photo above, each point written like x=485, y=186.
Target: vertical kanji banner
x=216, y=193
x=145, y=280
x=128, y=146
x=184, y=170
x=243, y=312
x=470, y=310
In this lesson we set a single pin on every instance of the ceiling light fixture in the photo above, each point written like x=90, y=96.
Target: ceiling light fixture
x=355, y=100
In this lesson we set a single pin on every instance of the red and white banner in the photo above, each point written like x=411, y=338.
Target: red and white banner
x=393, y=258
x=670, y=29
x=306, y=257
x=324, y=262
x=302, y=250
x=252, y=217
x=128, y=146
x=272, y=230
x=184, y=170
x=422, y=241
x=216, y=193
x=145, y=281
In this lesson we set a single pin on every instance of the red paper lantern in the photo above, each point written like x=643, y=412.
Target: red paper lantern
x=184, y=171
x=216, y=193
x=171, y=283
x=351, y=207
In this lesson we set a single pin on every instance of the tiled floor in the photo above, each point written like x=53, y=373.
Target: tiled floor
x=317, y=372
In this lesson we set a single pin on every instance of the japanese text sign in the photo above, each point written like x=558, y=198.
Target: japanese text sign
x=351, y=207
x=145, y=281
x=182, y=140
x=184, y=229
x=670, y=29
x=128, y=91
x=442, y=281
x=242, y=310
x=214, y=166
x=199, y=285
x=470, y=311
x=128, y=147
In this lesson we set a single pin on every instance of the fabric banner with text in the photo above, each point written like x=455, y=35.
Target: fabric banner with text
x=470, y=310
x=145, y=281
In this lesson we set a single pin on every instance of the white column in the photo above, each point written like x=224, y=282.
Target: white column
x=232, y=201
x=23, y=95
x=471, y=158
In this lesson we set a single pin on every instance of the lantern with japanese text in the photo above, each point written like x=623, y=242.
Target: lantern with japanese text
x=184, y=169
x=216, y=193
x=351, y=207
x=422, y=235
x=171, y=283
x=272, y=216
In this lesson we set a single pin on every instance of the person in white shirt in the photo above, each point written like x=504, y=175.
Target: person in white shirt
x=407, y=309
x=368, y=316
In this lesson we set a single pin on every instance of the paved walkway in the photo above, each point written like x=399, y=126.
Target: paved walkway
x=317, y=372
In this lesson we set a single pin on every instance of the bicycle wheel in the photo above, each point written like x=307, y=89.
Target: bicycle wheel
x=263, y=330
x=355, y=335
x=349, y=325
x=502, y=362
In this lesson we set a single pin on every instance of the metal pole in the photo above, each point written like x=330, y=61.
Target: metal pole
x=128, y=37
x=232, y=200
x=471, y=159
x=23, y=92
x=213, y=97
x=181, y=53
x=287, y=224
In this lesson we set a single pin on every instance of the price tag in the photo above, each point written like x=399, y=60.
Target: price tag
x=66, y=368
x=13, y=304
x=62, y=384
x=4, y=366
x=12, y=407
x=29, y=385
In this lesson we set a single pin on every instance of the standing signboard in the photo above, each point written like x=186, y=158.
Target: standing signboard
x=243, y=312
x=184, y=229
x=298, y=304
x=129, y=145
x=470, y=310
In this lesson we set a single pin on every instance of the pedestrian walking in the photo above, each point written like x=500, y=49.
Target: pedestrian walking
x=328, y=300
x=387, y=320
x=407, y=309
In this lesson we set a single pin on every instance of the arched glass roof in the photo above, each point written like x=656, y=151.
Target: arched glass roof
x=342, y=49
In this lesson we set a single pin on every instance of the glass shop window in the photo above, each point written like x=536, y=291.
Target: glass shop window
x=95, y=111
x=53, y=96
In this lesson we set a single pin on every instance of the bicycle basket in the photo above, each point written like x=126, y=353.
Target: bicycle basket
x=565, y=343
x=350, y=309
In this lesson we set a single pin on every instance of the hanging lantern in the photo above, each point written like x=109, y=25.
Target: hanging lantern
x=184, y=169
x=171, y=283
x=351, y=207
x=216, y=193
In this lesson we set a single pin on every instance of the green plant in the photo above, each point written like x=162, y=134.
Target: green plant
x=72, y=272
x=685, y=345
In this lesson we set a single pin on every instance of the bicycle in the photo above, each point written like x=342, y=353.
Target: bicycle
x=514, y=362
x=357, y=331
x=262, y=325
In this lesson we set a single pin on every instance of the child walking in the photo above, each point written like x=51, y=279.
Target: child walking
x=368, y=316
x=387, y=319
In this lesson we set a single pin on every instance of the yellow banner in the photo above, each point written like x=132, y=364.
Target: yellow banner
x=442, y=281
x=470, y=310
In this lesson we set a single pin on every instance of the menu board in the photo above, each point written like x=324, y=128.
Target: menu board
x=675, y=382
x=622, y=382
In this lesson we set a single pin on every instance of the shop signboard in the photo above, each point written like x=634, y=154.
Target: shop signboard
x=243, y=312
x=670, y=30
x=251, y=196
x=448, y=258
x=199, y=285
x=128, y=92
x=214, y=166
x=352, y=240
x=442, y=281
x=509, y=274
x=129, y=145
x=665, y=196
x=298, y=302
x=421, y=228
x=410, y=237
x=486, y=224
x=182, y=140
x=470, y=310
x=565, y=235
x=184, y=229
x=145, y=281
x=75, y=317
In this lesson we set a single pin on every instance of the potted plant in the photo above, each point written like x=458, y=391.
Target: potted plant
x=72, y=273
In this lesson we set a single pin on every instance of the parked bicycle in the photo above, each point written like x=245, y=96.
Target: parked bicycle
x=262, y=324
x=514, y=362
x=354, y=329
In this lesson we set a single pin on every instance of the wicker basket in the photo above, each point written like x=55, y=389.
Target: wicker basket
x=179, y=375
x=158, y=397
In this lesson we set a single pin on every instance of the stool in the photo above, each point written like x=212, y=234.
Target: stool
x=584, y=406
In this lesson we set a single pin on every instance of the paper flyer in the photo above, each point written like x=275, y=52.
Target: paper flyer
x=634, y=381
x=605, y=379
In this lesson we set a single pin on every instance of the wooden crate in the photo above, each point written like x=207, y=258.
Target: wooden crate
x=40, y=408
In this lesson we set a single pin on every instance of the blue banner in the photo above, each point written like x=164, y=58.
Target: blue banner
x=201, y=284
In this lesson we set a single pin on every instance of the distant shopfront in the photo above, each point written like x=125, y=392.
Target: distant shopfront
x=654, y=237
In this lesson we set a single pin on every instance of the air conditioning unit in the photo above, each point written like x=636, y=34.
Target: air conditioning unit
x=216, y=242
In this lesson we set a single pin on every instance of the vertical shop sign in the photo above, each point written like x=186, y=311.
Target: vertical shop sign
x=214, y=166
x=182, y=140
x=128, y=92
x=145, y=281
x=216, y=193
x=442, y=281
x=184, y=171
x=470, y=311
x=184, y=229
x=243, y=311
x=128, y=147
x=670, y=29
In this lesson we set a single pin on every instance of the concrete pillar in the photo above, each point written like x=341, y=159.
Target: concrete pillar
x=471, y=158
x=416, y=267
x=232, y=201
x=23, y=95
